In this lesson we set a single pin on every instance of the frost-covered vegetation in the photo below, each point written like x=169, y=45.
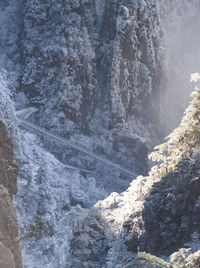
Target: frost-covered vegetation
x=184, y=141
x=184, y=258
x=93, y=68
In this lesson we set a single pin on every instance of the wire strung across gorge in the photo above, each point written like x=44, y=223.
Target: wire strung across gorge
x=43, y=131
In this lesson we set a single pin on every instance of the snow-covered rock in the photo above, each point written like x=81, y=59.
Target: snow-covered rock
x=93, y=69
x=47, y=191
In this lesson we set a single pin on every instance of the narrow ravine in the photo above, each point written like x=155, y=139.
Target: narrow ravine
x=112, y=76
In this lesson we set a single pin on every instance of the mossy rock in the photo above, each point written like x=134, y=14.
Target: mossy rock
x=144, y=260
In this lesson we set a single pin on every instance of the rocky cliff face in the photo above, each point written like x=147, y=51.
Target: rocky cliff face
x=54, y=58
x=90, y=67
x=91, y=62
x=10, y=253
x=93, y=69
x=157, y=214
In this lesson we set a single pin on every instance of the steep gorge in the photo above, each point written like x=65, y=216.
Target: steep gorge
x=99, y=73
x=90, y=69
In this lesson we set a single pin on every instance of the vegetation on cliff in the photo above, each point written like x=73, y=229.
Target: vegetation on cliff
x=184, y=141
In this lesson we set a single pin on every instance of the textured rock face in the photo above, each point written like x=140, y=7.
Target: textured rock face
x=59, y=57
x=173, y=207
x=91, y=61
x=131, y=54
x=156, y=215
x=159, y=213
x=70, y=66
x=10, y=253
x=6, y=257
x=52, y=190
x=46, y=194
x=121, y=217
x=8, y=168
x=90, y=67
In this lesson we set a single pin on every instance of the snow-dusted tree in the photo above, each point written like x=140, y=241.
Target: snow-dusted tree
x=184, y=141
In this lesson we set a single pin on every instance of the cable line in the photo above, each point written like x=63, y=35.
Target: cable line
x=43, y=131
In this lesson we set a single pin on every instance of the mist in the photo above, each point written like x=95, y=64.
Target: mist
x=181, y=58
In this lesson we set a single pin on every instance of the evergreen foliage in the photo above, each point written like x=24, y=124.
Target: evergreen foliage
x=184, y=141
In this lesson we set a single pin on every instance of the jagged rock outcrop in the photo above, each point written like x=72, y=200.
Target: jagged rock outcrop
x=90, y=67
x=46, y=193
x=58, y=49
x=149, y=216
x=10, y=252
x=102, y=66
x=157, y=214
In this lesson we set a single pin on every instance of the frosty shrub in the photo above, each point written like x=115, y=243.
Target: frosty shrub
x=184, y=141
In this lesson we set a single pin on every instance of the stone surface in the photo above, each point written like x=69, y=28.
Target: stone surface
x=6, y=257
x=91, y=67
x=8, y=168
x=10, y=252
x=157, y=214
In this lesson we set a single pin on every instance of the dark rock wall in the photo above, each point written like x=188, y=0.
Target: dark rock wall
x=93, y=68
x=59, y=60
x=90, y=66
